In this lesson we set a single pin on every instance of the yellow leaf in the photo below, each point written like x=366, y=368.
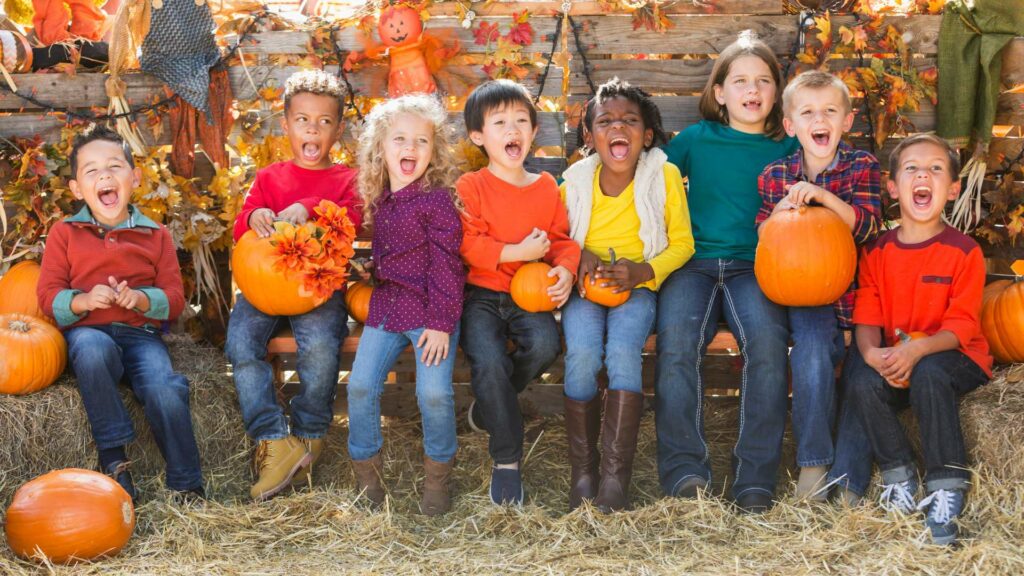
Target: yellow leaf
x=845, y=35
x=823, y=24
x=1018, y=267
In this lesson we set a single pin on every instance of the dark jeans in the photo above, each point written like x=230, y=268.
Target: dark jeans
x=489, y=320
x=100, y=356
x=852, y=465
x=690, y=304
x=936, y=384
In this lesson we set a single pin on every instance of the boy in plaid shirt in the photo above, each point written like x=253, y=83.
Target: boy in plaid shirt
x=826, y=172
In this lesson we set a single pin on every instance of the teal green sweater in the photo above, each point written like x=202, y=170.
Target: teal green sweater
x=722, y=165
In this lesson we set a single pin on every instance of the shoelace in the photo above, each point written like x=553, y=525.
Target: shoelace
x=941, y=502
x=898, y=496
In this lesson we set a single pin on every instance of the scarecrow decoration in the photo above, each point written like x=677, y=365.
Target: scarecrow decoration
x=414, y=55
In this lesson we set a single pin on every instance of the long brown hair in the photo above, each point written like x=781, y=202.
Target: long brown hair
x=746, y=45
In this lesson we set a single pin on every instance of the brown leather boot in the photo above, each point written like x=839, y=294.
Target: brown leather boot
x=368, y=479
x=622, y=411
x=582, y=427
x=436, y=500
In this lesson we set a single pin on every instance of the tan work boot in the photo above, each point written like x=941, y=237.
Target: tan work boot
x=368, y=479
x=811, y=484
x=305, y=474
x=436, y=500
x=276, y=462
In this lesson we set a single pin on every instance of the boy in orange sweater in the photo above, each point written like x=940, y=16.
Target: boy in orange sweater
x=924, y=276
x=511, y=217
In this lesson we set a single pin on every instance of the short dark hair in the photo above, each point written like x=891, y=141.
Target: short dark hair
x=91, y=135
x=495, y=94
x=951, y=154
x=615, y=88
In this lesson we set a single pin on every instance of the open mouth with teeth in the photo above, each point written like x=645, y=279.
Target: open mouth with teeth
x=752, y=105
x=107, y=195
x=311, y=152
x=619, y=148
x=820, y=137
x=407, y=165
x=514, y=149
x=922, y=197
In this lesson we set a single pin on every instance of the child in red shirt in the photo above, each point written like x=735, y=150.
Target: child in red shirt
x=288, y=191
x=925, y=277
x=109, y=277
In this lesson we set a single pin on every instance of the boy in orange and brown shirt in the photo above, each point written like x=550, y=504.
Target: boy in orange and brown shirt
x=924, y=276
x=511, y=217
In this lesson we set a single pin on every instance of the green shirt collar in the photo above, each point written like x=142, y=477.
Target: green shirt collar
x=135, y=218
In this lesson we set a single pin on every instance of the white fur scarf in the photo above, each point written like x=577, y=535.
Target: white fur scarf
x=648, y=197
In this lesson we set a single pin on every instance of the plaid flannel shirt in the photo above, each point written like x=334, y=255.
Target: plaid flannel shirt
x=854, y=176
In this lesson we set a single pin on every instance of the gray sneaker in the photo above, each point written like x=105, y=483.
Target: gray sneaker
x=942, y=509
x=899, y=497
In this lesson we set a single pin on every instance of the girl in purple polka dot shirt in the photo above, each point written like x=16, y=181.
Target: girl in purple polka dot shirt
x=406, y=171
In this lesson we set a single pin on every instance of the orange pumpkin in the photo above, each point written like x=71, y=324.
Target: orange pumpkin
x=357, y=301
x=69, y=515
x=530, y=287
x=270, y=291
x=18, y=290
x=602, y=295
x=805, y=257
x=1002, y=320
x=399, y=26
x=32, y=354
x=901, y=339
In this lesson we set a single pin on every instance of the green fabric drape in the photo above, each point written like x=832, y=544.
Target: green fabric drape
x=970, y=63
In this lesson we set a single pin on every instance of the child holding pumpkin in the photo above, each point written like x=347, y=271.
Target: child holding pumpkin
x=109, y=278
x=511, y=217
x=827, y=172
x=924, y=276
x=625, y=201
x=289, y=191
x=722, y=155
x=406, y=176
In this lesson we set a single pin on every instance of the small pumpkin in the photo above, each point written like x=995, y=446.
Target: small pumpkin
x=901, y=339
x=530, y=285
x=1002, y=317
x=18, y=290
x=805, y=257
x=68, y=515
x=357, y=301
x=270, y=291
x=32, y=354
x=603, y=295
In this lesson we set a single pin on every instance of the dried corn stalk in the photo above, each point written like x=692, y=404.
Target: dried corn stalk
x=967, y=208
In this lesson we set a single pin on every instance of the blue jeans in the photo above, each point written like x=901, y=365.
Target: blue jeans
x=612, y=337
x=690, y=304
x=853, y=461
x=377, y=353
x=100, y=356
x=318, y=335
x=817, y=347
x=489, y=320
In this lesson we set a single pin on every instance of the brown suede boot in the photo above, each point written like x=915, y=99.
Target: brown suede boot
x=582, y=427
x=304, y=477
x=368, y=479
x=622, y=411
x=436, y=500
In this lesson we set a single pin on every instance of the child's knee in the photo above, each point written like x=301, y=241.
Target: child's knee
x=89, y=348
x=436, y=400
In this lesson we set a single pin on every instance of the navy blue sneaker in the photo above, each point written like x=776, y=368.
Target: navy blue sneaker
x=899, y=497
x=119, y=472
x=507, y=486
x=942, y=508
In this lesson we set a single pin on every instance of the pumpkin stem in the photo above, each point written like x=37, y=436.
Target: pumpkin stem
x=19, y=326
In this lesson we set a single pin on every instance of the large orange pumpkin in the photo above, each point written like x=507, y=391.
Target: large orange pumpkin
x=805, y=257
x=32, y=354
x=530, y=287
x=357, y=301
x=602, y=295
x=69, y=515
x=252, y=264
x=18, y=290
x=1002, y=320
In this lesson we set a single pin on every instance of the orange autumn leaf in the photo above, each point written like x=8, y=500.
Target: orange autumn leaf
x=335, y=219
x=322, y=278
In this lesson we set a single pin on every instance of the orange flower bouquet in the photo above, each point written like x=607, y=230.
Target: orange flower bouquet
x=298, y=267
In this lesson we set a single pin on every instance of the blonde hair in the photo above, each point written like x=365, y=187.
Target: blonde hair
x=747, y=44
x=815, y=79
x=373, y=172
x=314, y=82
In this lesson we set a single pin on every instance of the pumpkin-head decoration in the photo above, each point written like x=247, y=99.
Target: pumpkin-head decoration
x=805, y=257
x=69, y=515
x=357, y=301
x=901, y=339
x=32, y=354
x=530, y=285
x=1002, y=317
x=399, y=25
x=18, y=290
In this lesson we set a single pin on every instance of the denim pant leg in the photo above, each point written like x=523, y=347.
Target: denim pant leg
x=378, y=350
x=436, y=399
x=318, y=336
x=249, y=330
x=936, y=385
x=688, y=311
x=876, y=405
x=762, y=332
x=164, y=395
x=814, y=332
x=853, y=459
x=95, y=359
x=583, y=323
x=537, y=340
x=629, y=325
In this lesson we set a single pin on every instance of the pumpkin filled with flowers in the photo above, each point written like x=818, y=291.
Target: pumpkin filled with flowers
x=298, y=267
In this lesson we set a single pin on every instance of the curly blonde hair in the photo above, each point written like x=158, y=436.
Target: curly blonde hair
x=314, y=82
x=373, y=172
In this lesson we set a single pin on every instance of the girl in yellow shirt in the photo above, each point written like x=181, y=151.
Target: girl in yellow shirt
x=627, y=210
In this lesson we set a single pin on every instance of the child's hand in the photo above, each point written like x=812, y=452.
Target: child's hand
x=100, y=297
x=624, y=274
x=535, y=245
x=588, y=265
x=805, y=193
x=262, y=221
x=898, y=362
x=128, y=298
x=434, y=344
x=363, y=267
x=296, y=214
x=559, y=292
x=875, y=357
